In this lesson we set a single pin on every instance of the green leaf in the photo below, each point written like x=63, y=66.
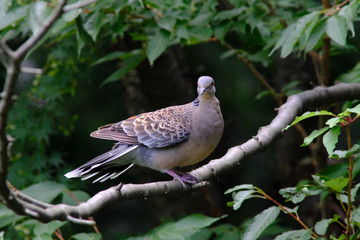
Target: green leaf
x=167, y=23
x=71, y=15
x=127, y=65
x=315, y=36
x=340, y=154
x=331, y=138
x=13, y=16
x=298, y=194
x=333, y=121
x=322, y=225
x=336, y=29
x=109, y=57
x=337, y=184
x=39, y=12
x=229, y=14
x=240, y=187
x=349, y=12
x=259, y=223
x=309, y=115
x=92, y=25
x=262, y=94
x=228, y=53
x=79, y=36
x=80, y=196
x=221, y=30
x=286, y=42
x=201, y=19
x=304, y=234
x=355, y=109
x=86, y=236
x=355, y=214
x=157, y=45
x=314, y=135
x=308, y=31
x=49, y=228
x=240, y=197
x=44, y=191
x=182, y=229
x=199, y=34
x=303, y=22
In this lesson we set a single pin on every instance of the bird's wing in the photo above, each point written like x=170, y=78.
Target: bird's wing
x=157, y=129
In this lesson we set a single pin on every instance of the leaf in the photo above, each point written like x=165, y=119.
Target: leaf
x=167, y=23
x=182, y=229
x=221, y=31
x=240, y=197
x=298, y=194
x=80, y=196
x=79, y=36
x=48, y=228
x=92, y=25
x=304, y=234
x=44, y=191
x=315, y=36
x=109, y=57
x=228, y=53
x=157, y=45
x=314, y=135
x=240, y=187
x=337, y=184
x=308, y=115
x=305, y=21
x=229, y=14
x=309, y=31
x=340, y=154
x=259, y=223
x=331, y=138
x=333, y=121
x=13, y=16
x=336, y=29
x=322, y=225
x=349, y=12
x=199, y=34
x=355, y=214
x=39, y=12
x=127, y=65
x=286, y=42
x=201, y=19
x=355, y=109
x=262, y=94
x=71, y=15
x=87, y=236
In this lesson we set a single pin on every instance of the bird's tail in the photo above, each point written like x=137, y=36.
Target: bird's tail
x=104, y=164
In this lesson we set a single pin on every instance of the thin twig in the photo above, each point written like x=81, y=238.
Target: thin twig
x=349, y=229
x=287, y=211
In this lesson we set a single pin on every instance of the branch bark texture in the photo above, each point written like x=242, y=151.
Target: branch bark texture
x=294, y=106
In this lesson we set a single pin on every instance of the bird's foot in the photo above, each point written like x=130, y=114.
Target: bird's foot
x=182, y=177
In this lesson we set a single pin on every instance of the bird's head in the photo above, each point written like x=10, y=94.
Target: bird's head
x=206, y=86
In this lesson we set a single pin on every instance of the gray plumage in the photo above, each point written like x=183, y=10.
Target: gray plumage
x=163, y=140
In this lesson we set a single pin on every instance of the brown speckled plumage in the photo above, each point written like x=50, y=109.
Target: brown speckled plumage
x=171, y=137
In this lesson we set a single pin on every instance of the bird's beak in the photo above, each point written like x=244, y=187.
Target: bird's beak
x=202, y=91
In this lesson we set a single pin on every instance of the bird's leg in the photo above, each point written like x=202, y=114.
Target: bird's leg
x=182, y=176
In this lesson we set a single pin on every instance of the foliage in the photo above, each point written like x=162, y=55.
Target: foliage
x=321, y=185
x=19, y=227
x=99, y=34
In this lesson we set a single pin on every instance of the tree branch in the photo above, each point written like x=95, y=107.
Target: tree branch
x=14, y=59
x=294, y=106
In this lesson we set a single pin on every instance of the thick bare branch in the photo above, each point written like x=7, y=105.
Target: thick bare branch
x=294, y=106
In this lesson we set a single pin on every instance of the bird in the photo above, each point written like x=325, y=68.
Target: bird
x=163, y=140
